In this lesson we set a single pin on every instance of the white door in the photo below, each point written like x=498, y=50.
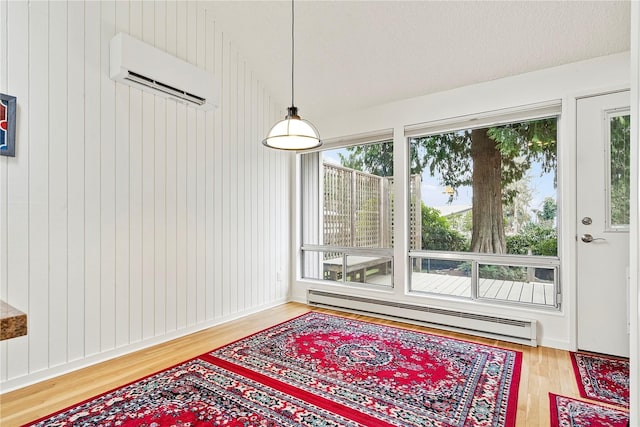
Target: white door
x=603, y=223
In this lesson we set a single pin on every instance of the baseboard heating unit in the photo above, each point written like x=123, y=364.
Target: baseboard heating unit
x=521, y=331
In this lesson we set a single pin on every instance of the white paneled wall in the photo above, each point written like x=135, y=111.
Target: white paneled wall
x=127, y=219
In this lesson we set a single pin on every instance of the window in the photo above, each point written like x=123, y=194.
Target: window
x=618, y=162
x=347, y=214
x=488, y=213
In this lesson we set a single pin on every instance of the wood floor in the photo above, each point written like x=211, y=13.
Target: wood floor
x=544, y=370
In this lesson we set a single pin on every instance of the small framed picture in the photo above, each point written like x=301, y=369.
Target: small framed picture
x=7, y=125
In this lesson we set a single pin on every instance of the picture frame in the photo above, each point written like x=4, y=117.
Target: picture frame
x=7, y=125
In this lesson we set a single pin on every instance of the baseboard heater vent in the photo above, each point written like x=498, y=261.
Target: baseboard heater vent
x=521, y=331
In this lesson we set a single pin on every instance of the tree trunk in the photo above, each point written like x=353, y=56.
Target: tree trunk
x=488, y=227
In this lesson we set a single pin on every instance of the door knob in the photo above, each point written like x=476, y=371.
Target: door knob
x=588, y=238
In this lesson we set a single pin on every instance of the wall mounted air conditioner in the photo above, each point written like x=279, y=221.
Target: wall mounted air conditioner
x=143, y=66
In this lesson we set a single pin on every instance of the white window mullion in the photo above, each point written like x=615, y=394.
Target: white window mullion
x=401, y=211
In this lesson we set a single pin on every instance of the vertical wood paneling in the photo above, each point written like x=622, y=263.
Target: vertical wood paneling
x=58, y=242
x=75, y=180
x=191, y=144
x=200, y=217
x=135, y=192
x=160, y=184
x=226, y=181
x=241, y=193
x=170, y=182
x=16, y=227
x=260, y=197
x=92, y=303
x=148, y=182
x=171, y=218
x=122, y=169
x=253, y=170
x=200, y=179
x=209, y=188
x=181, y=232
x=38, y=259
x=126, y=216
x=218, y=183
x=107, y=182
x=191, y=217
x=232, y=265
x=181, y=180
x=148, y=213
x=266, y=203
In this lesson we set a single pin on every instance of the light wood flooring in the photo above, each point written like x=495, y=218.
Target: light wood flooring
x=544, y=370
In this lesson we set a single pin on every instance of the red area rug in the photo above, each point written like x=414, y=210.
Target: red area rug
x=320, y=370
x=602, y=378
x=397, y=376
x=195, y=393
x=568, y=412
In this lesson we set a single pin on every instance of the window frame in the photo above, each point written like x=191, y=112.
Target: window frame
x=375, y=137
x=402, y=261
x=522, y=113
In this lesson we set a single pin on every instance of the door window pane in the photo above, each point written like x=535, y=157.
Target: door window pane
x=619, y=165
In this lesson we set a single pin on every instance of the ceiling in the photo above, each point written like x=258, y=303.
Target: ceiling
x=356, y=54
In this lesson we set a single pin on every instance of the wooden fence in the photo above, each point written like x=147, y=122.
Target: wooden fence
x=358, y=209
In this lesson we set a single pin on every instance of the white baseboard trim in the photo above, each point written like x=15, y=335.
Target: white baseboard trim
x=56, y=371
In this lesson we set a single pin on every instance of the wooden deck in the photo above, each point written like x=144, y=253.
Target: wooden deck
x=505, y=290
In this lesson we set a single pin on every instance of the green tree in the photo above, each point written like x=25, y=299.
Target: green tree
x=487, y=159
x=540, y=239
x=437, y=233
x=376, y=159
x=547, y=214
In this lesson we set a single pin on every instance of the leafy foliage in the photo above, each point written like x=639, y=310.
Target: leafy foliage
x=540, y=239
x=376, y=159
x=520, y=145
x=437, y=233
x=549, y=211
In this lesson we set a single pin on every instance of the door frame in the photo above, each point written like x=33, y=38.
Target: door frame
x=593, y=197
x=567, y=184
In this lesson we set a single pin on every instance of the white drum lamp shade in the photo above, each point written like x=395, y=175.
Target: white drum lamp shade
x=292, y=133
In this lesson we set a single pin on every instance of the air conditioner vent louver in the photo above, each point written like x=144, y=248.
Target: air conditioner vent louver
x=169, y=90
x=507, y=329
x=152, y=70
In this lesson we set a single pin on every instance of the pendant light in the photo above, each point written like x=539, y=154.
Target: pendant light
x=292, y=133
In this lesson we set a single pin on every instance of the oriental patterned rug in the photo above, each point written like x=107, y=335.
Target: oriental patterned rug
x=323, y=371
x=568, y=412
x=602, y=378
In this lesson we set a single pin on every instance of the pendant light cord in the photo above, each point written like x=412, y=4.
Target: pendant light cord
x=292, y=50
